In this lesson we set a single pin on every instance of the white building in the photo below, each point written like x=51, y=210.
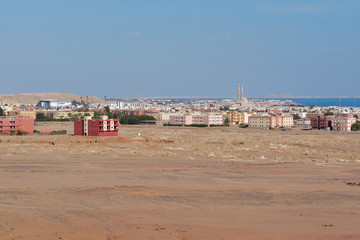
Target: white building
x=54, y=103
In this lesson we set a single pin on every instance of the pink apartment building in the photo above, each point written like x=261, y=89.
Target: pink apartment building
x=342, y=124
x=211, y=119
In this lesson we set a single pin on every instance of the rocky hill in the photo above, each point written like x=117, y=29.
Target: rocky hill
x=33, y=98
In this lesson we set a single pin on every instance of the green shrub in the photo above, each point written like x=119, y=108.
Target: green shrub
x=58, y=132
x=172, y=125
x=22, y=133
x=197, y=125
x=355, y=127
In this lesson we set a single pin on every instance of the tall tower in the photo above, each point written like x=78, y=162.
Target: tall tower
x=243, y=99
x=242, y=92
x=238, y=94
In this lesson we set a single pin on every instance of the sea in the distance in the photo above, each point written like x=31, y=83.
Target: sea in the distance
x=323, y=102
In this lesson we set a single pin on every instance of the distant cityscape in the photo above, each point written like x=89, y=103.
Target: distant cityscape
x=238, y=111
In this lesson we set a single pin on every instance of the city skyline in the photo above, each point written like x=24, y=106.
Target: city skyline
x=187, y=48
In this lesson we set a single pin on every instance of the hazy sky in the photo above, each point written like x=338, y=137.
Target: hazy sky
x=180, y=47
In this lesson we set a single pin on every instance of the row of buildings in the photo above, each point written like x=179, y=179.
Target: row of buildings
x=250, y=119
x=82, y=127
x=337, y=122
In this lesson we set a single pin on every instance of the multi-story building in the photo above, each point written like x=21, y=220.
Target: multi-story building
x=337, y=122
x=31, y=114
x=321, y=122
x=271, y=121
x=96, y=127
x=238, y=117
x=342, y=124
x=261, y=122
x=286, y=121
x=209, y=119
x=214, y=119
x=181, y=119
x=14, y=124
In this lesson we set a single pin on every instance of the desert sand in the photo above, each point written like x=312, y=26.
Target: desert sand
x=180, y=183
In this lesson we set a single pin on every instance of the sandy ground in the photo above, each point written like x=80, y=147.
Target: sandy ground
x=180, y=183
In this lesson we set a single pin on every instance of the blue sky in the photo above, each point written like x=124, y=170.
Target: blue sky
x=132, y=48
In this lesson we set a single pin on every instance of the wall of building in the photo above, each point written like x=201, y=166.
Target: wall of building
x=16, y=124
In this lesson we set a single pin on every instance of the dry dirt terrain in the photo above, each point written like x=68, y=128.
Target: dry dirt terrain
x=180, y=183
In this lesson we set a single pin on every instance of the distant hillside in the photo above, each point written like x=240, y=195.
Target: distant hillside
x=33, y=98
x=285, y=95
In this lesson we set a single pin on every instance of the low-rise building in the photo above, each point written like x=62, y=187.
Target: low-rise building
x=14, y=124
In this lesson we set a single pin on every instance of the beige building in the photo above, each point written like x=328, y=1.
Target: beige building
x=287, y=121
x=239, y=117
x=271, y=121
x=75, y=115
x=261, y=122
x=31, y=114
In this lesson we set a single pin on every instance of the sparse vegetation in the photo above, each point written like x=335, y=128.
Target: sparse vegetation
x=133, y=120
x=22, y=133
x=296, y=116
x=2, y=112
x=227, y=120
x=58, y=132
x=41, y=117
x=172, y=125
x=329, y=114
x=197, y=125
x=355, y=126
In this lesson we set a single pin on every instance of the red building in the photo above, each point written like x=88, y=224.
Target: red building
x=321, y=122
x=96, y=127
x=15, y=124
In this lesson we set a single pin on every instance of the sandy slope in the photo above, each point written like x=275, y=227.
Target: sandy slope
x=34, y=98
x=181, y=183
